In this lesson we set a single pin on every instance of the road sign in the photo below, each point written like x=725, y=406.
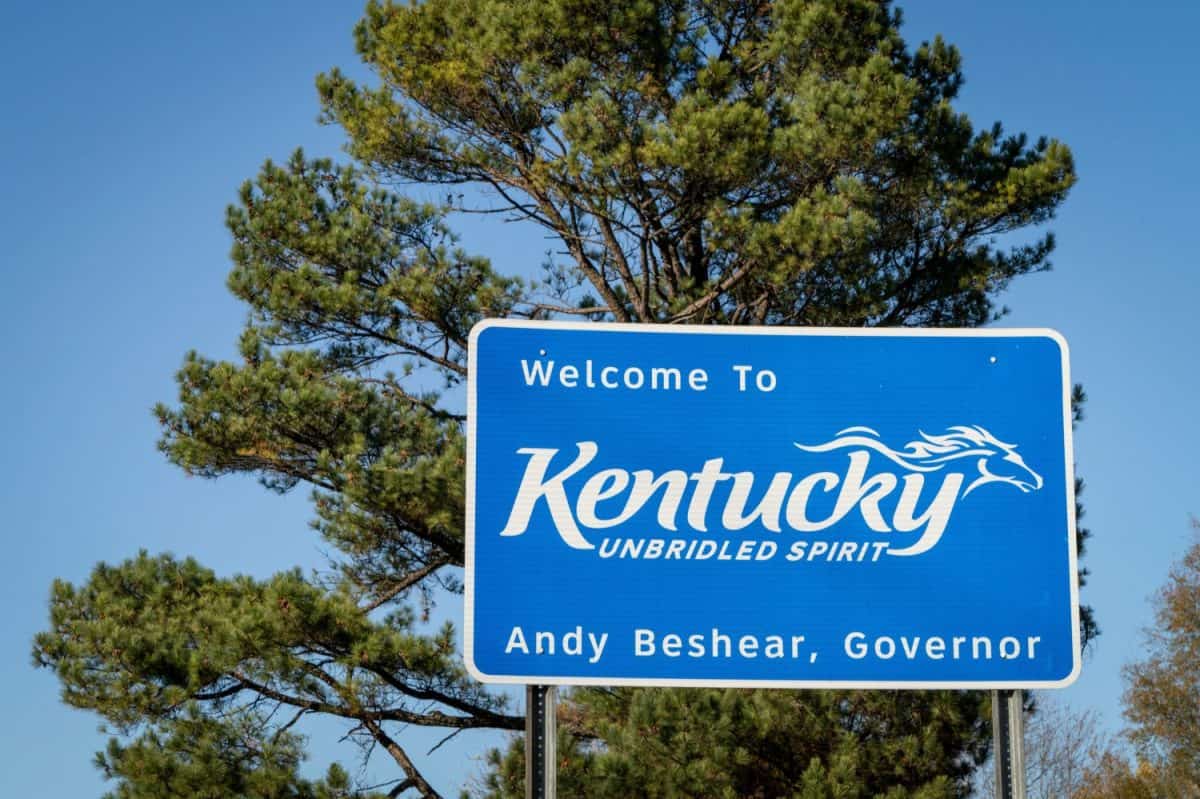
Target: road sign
x=662, y=505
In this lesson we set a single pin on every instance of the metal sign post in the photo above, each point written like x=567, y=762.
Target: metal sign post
x=1009, y=739
x=541, y=736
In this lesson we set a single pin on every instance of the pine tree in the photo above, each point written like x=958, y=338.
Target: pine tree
x=736, y=743
x=721, y=162
x=193, y=756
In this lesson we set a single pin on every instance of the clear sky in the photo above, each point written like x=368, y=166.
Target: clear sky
x=127, y=128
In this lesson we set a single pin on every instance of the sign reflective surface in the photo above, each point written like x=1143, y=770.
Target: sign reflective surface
x=661, y=505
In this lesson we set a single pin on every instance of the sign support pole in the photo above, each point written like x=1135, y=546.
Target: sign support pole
x=541, y=738
x=1008, y=737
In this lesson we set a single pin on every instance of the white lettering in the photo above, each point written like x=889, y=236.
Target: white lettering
x=535, y=486
x=516, y=640
x=706, y=480
x=768, y=508
x=598, y=642
x=661, y=378
x=604, y=484
x=539, y=372
x=934, y=518
x=742, y=370
x=787, y=499
x=798, y=501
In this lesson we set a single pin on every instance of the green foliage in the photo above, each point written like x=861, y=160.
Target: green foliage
x=1162, y=696
x=730, y=743
x=1161, y=701
x=323, y=259
x=785, y=163
x=197, y=757
x=725, y=162
x=141, y=639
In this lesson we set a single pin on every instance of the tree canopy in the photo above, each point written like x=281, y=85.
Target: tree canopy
x=1161, y=700
x=720, y=162
x=1162, y=696
x=736, y=743
x=775, y=163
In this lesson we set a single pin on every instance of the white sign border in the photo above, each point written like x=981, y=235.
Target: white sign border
x=868, y=332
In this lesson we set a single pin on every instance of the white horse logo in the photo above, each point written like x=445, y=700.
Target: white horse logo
x=934, y=453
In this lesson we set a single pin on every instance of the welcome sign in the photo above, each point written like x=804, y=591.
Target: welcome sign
x=663, y=505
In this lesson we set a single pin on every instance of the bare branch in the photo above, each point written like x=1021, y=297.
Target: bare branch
x=415, y=778
x=408, y=581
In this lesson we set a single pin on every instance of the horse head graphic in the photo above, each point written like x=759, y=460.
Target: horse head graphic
x=996, y=461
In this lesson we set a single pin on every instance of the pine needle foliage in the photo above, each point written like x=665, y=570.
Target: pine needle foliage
x=700, y=161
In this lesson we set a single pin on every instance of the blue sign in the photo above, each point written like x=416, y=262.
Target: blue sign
x=661, y=505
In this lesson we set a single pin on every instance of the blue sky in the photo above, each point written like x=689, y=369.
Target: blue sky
x=128, y=127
